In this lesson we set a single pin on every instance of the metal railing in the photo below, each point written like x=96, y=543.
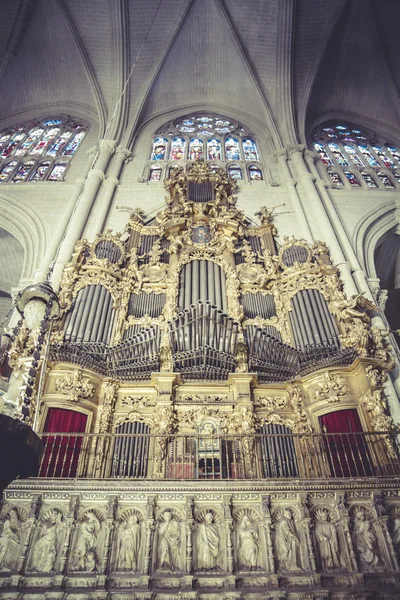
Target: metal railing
x=259, y=456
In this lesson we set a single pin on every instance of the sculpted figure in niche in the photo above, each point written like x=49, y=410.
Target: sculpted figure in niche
x=128, y=544
x=208, y=543
x=10, y=540
x=365, y=540
x=326, y=534
x=248, y=543
x=47, y=544
x=85, y=554
x=396, y=531
x=286, y=542
x=169, y=532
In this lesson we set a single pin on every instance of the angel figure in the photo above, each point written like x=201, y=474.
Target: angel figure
x=346, y=309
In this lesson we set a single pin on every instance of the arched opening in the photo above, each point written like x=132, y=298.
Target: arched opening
x=387, y=264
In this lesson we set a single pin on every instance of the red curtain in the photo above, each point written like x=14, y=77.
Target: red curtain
x=61, y=454
x=347, y=454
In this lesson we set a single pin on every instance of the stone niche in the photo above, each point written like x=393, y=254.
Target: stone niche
x=125, y=542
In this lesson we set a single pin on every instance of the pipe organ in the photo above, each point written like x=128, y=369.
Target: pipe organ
x=194, y=347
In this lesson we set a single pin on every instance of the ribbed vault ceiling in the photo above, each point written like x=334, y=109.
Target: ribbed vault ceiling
x=286, y=64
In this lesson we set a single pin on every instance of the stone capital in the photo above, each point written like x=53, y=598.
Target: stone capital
x=123, y=153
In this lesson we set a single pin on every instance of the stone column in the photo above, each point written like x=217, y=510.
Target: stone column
x=336, y=224
x=321, y=225
x=102, y=204
x=65, y=217
x=290, y=184
x=82, y=210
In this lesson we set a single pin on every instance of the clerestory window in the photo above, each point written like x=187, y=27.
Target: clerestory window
x=39, y=150
x=221, y=141
x=357, y=158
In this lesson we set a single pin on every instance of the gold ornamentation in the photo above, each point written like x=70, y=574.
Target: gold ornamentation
x=250, y=272
x=272, y=403
x=375, y=376
x=203, y=398
x=332, y=389
x=300, y=419
x=75, y=386
x=376, y=404
x=137, y=401
x=192, y=418
x=106, y=410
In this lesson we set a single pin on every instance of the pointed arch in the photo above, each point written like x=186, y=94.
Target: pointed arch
x=23, y=223
x=369, y=230
x=90, y=73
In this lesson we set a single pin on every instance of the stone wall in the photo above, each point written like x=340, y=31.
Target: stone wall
x=199, y=540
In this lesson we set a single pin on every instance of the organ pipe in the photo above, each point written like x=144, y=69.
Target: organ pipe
x=202, y=280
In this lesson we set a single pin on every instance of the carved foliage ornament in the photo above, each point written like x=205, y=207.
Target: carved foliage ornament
x=75, y=386
x=332, y=389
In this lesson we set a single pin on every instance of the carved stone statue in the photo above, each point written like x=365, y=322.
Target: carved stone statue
x=286, y=542
x=365, y=540
x=128, y=545
x=10, y=540
x=47, y=544
x=85, y=553
x=326, y=534
x=396, y=529
x=208, y=543
x=169, y=532
x=248, y=543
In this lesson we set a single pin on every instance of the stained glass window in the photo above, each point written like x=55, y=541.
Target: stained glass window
x=367, y=154
x=326, y=159
x=73, y=145
x=369, y=180
x=45, y=141
x=57, y=172
x=206, y=137
x=59, y=143
x=353, y=155
x=335, y=150
x=7, y=169
x=178, y=145
x=352, y=179
x=359, y=149
x=155, y=174
x=40, y=171
x=32, y=138
x=235, y=172
x=385, y=180
x=50, y=137
x=9, y=149
x=393, y=151
x=196, y=149
x=250, y=149
x=232, y=150
x=255, y=173
x=159, y=149
x=213, y=149
x=396, y=176
x=335, y=178
x=382, y=156
x=23, y=170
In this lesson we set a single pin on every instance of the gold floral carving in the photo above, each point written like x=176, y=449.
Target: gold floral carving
x=272, y=403
x=332, y=388
x=375, y=376
x=106, y=410
x=75, y=386
x=203, y=398
x=375, y=403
